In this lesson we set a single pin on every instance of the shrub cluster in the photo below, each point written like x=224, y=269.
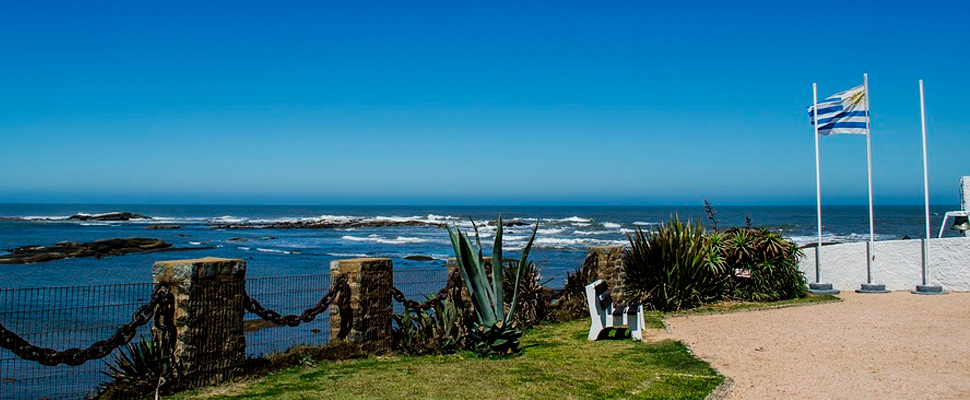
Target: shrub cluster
x=678, y=266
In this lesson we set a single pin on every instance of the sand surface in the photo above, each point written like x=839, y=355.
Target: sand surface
x=875, y=346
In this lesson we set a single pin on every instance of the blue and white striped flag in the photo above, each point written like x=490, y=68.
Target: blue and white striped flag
x=843, y=112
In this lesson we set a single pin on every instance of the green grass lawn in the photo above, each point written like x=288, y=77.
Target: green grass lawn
x=557, y=362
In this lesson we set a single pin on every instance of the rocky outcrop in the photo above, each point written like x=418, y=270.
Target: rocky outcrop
x=511, y=222
x=112, y=216
x=100, y=248
x=163, y=226
x=329, y=224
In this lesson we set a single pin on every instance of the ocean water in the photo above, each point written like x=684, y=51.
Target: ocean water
x=565, y=233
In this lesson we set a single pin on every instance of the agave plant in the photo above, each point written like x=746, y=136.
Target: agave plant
x=494, y=332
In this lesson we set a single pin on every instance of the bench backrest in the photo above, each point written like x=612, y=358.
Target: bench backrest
x=599, y=300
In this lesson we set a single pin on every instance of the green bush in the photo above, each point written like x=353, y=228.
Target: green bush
x=434, y=331
x=763, y=265
x=570, y=302
x=673, y=267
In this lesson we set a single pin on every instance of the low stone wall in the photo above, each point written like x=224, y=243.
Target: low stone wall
x=608, y=263
x=897, y=264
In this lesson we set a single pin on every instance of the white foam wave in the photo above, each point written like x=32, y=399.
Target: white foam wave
x=276, y=251
x=244, y=248
x=573, y=219
x=354, y=255
x=591, y=233
x=550, y=231
x=581, y=224
x=611, y=225
x=830, y=238
x=383, y=240
x=645, y=223
x=228, y=219
x=563, y=243
x=196, y=243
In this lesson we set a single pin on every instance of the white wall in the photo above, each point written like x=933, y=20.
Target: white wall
x=898, y=264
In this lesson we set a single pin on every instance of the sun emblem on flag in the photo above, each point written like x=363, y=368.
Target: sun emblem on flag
x=856, y=98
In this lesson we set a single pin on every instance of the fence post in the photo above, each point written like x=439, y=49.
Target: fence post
x=364, y=316
x=203, y=333
x=608, y=264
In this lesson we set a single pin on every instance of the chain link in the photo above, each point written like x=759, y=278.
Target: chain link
x=454, y=280
x=308, y=315
x=100, y=349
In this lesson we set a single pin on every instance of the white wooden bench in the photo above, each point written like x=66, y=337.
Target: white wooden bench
x=604, y=315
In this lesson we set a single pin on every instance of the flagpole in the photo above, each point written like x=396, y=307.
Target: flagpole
x=818, y=187
x=926, y=186
x=872, y=248
x=926, y=288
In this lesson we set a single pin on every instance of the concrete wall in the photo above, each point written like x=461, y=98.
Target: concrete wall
x=897, y=264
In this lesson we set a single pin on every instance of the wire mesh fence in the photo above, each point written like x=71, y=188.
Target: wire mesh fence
x=62, y=318
x=76, y=316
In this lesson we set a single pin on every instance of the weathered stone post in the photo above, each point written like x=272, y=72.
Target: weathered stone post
x=204, y=328
x=609, y=266
x=363, y=317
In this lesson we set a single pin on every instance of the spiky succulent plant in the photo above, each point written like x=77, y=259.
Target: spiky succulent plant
x=486, y=291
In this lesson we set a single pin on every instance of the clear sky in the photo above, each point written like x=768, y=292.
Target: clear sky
x=411, y=102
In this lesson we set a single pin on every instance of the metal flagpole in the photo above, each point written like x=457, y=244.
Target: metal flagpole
x=818, y=187
x=872, y=249
x=926, y=288
x=926, y=185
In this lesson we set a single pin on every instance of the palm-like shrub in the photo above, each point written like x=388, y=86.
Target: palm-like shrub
x=136, y=370
x=673, y=267
x=762, y=263
x=494, y=333
x=532, y=307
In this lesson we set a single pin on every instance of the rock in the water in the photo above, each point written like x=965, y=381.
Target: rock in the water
x=100, y=248
x=112, y=216
x=163, y=227
x=419, y=258
x=511, y=222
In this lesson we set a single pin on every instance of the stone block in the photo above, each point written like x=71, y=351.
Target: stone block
x=205, y=337
x=363, y=312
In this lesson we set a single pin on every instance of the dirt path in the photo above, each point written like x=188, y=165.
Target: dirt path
x=888, y=346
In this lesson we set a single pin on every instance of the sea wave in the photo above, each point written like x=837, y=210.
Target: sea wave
x=641, y=223
x=383, y=240
x=277, y=251
x=802, y=240
x=572, y=219
x=354, y=255
x=611, y=225
x=592, y=233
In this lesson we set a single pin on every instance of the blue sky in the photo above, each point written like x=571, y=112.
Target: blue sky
x=456, y=103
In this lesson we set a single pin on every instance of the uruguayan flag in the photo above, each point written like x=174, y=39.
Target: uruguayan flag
x=843, y=112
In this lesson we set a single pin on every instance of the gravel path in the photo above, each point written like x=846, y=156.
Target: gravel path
x=876, y=346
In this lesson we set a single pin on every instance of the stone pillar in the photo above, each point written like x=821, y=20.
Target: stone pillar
x=204, y=328
x=609, y=266
x=363, y=315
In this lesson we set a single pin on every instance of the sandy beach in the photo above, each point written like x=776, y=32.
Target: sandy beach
x=890, y=346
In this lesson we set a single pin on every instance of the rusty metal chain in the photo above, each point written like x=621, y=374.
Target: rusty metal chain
x=74, y=356
x=412, y=305
x=308, y=315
